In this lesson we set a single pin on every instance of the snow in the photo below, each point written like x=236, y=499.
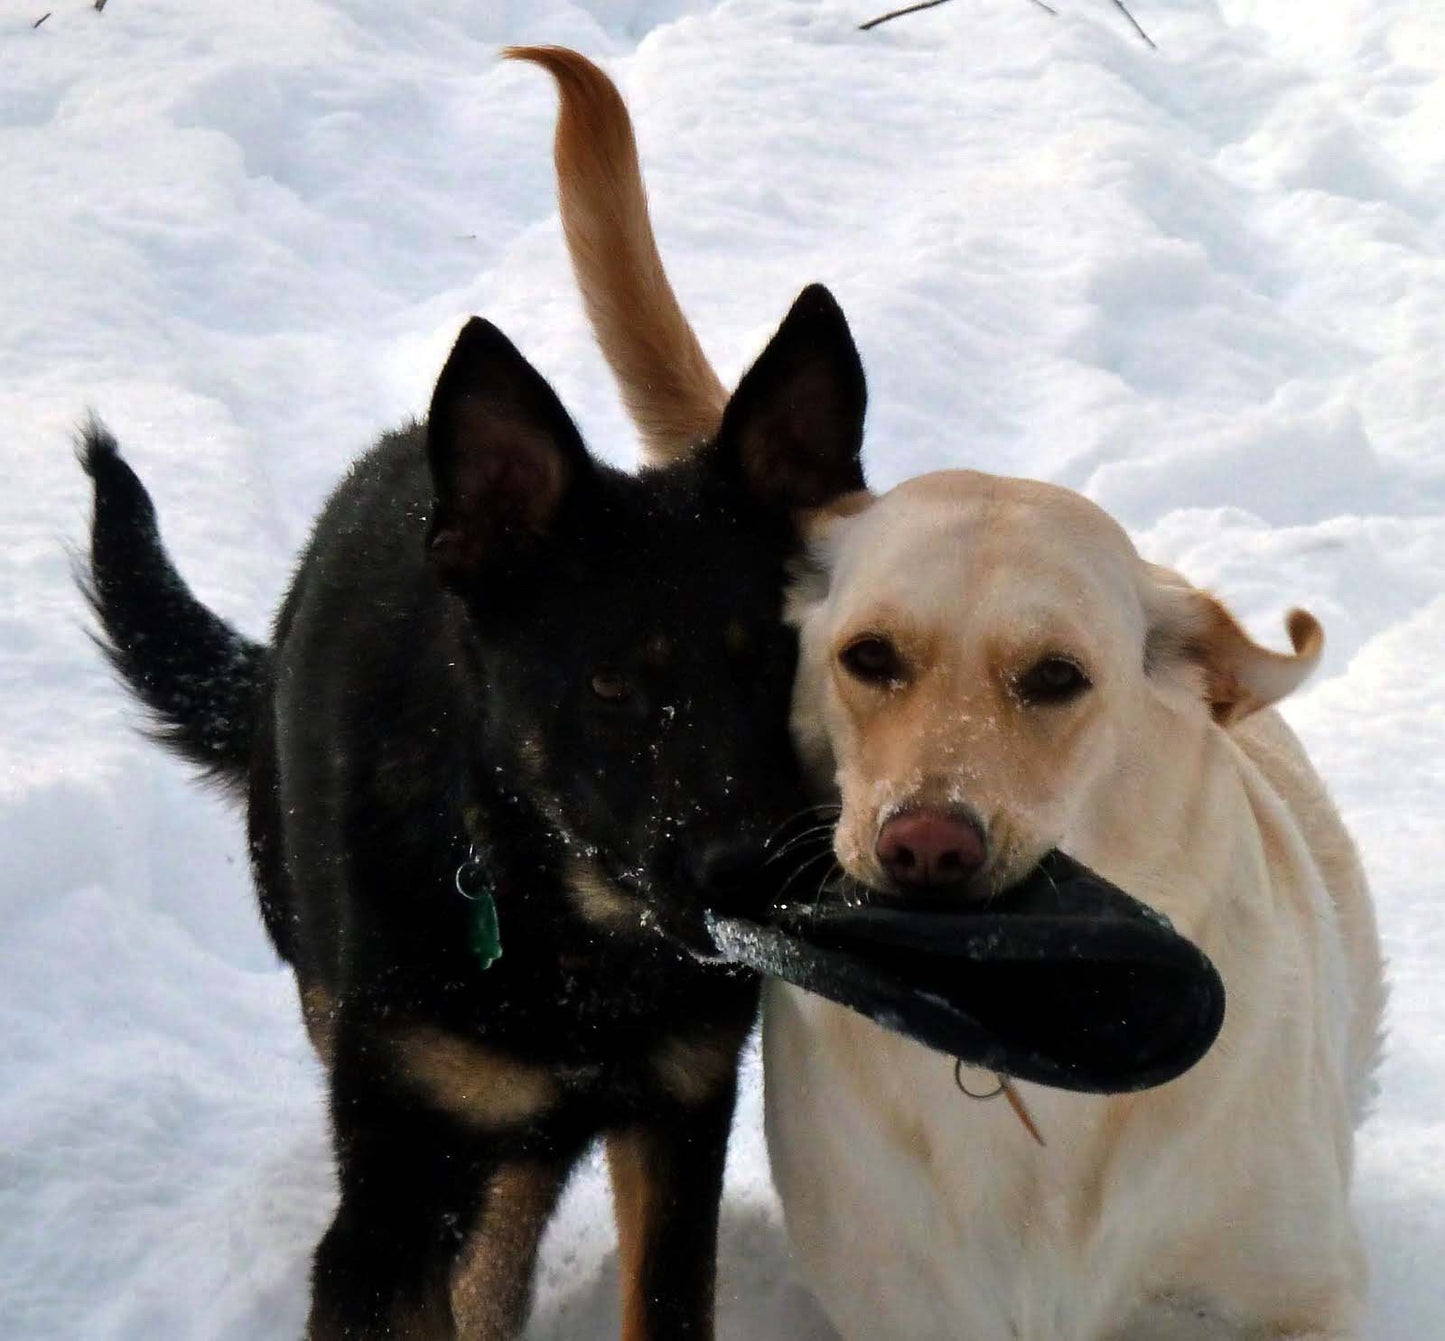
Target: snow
x=1205, y=285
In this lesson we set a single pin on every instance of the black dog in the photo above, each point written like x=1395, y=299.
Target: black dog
x=522, y=719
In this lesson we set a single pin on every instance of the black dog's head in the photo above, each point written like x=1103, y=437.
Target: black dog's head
x=628, y=631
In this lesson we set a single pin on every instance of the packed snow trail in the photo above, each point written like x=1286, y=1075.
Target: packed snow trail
x=1205, y=285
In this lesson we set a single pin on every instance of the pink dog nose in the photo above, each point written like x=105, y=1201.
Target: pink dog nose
x=931, y=847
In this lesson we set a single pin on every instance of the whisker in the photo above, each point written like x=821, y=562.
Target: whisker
x=825, y=827
x=802, y=866
x=850, y=891
x=840, y=886
x=792, y=819
x=816, y=834
x=820, y=843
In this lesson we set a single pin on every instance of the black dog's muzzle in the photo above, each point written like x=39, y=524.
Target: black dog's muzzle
x=1064, y=980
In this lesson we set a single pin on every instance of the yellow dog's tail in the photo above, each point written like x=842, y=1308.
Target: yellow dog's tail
x=669, y=387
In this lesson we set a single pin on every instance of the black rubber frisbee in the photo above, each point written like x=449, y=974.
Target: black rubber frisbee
x=1064, y=980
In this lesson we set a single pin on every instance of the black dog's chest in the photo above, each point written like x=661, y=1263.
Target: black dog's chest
x=621, y=1023
x=598, y=1002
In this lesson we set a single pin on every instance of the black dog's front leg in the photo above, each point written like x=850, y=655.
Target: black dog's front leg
x=666, y=1187
x=437, y=1230
x=409, y=1194
x=492, y=1279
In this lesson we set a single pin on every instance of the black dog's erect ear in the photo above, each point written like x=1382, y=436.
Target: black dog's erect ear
x=503, y=451
x=795, y=424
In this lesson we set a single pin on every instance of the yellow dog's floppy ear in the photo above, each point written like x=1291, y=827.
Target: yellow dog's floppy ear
x=1239, y=676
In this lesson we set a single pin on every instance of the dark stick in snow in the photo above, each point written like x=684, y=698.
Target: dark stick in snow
x=1124, y=10
x=899, y=13
x=99, y=5
x=41, y=19
x=929, y=4
x=1047, y=8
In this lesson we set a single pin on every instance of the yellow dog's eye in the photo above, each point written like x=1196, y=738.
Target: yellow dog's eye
x=1052, y=679
x=872, y=659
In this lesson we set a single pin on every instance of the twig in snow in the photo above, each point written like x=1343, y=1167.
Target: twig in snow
x=99, y=5
x=40, y=20
x=899, y=13
x=930, y=4
x=1124, y=10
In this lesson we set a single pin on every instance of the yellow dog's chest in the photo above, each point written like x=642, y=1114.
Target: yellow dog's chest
x=979, y=1232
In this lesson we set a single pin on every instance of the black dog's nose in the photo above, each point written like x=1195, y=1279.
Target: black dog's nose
x=723, y=865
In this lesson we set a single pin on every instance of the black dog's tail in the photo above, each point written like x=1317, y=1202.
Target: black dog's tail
x=200, y=679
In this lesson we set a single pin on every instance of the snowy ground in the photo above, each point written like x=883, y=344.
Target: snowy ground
x=1206, y=285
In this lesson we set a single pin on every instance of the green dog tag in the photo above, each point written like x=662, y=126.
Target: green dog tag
x=486, y=938
x=474, y=884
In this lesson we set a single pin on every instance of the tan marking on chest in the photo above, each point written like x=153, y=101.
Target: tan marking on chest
x=600, y=900
x=476, y=1084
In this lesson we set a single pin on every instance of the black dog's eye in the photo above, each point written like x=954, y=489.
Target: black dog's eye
x=872, y=659
x=1052, y=680
x=611, y=685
